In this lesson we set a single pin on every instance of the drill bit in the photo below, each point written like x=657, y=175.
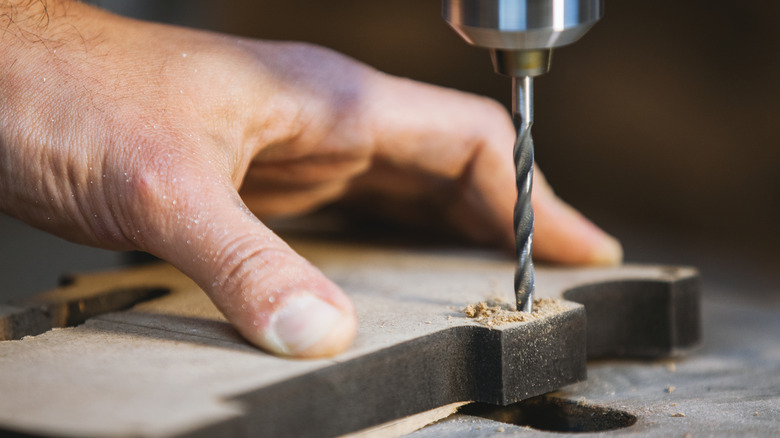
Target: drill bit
x=523, y=116
x=521, y=36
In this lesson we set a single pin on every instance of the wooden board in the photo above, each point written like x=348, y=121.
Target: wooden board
x=172, y=366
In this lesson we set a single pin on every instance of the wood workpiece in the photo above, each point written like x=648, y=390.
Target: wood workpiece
x=171, y=365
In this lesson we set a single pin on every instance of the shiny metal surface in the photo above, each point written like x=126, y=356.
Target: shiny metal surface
x=522, y=24
x=523, y=116
x=520, y=63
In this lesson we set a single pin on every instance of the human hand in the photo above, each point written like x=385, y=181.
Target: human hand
x=130, y=135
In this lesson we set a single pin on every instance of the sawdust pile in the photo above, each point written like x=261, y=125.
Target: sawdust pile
x=495, y=312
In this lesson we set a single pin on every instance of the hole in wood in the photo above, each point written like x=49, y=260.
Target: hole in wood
x=626, y=318
x=554, y=415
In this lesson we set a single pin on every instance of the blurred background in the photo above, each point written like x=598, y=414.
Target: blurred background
x=660, y=124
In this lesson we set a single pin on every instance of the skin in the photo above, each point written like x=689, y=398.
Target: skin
x=136, y=136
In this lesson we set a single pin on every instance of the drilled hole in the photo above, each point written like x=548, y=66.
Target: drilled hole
x=554, y=415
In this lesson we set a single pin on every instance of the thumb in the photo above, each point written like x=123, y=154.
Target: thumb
x=274, y=297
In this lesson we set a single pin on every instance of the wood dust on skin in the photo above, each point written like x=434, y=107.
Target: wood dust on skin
x=495, y=312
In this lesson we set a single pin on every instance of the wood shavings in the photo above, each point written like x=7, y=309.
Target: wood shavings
x=495, y=312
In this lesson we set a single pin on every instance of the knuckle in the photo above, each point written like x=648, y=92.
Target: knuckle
x=151, y=185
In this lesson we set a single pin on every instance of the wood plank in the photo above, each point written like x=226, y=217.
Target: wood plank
x=172, y=366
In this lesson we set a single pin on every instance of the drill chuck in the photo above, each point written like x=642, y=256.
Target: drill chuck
x=521, y=33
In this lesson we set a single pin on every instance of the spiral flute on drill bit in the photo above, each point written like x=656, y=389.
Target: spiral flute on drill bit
x=522, y=114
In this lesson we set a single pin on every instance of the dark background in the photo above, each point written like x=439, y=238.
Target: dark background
x=660, y=124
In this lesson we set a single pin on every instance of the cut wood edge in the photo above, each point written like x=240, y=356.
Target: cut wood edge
x=407, y=425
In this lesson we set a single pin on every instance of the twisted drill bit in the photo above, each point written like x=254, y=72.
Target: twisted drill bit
x=523, y=116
